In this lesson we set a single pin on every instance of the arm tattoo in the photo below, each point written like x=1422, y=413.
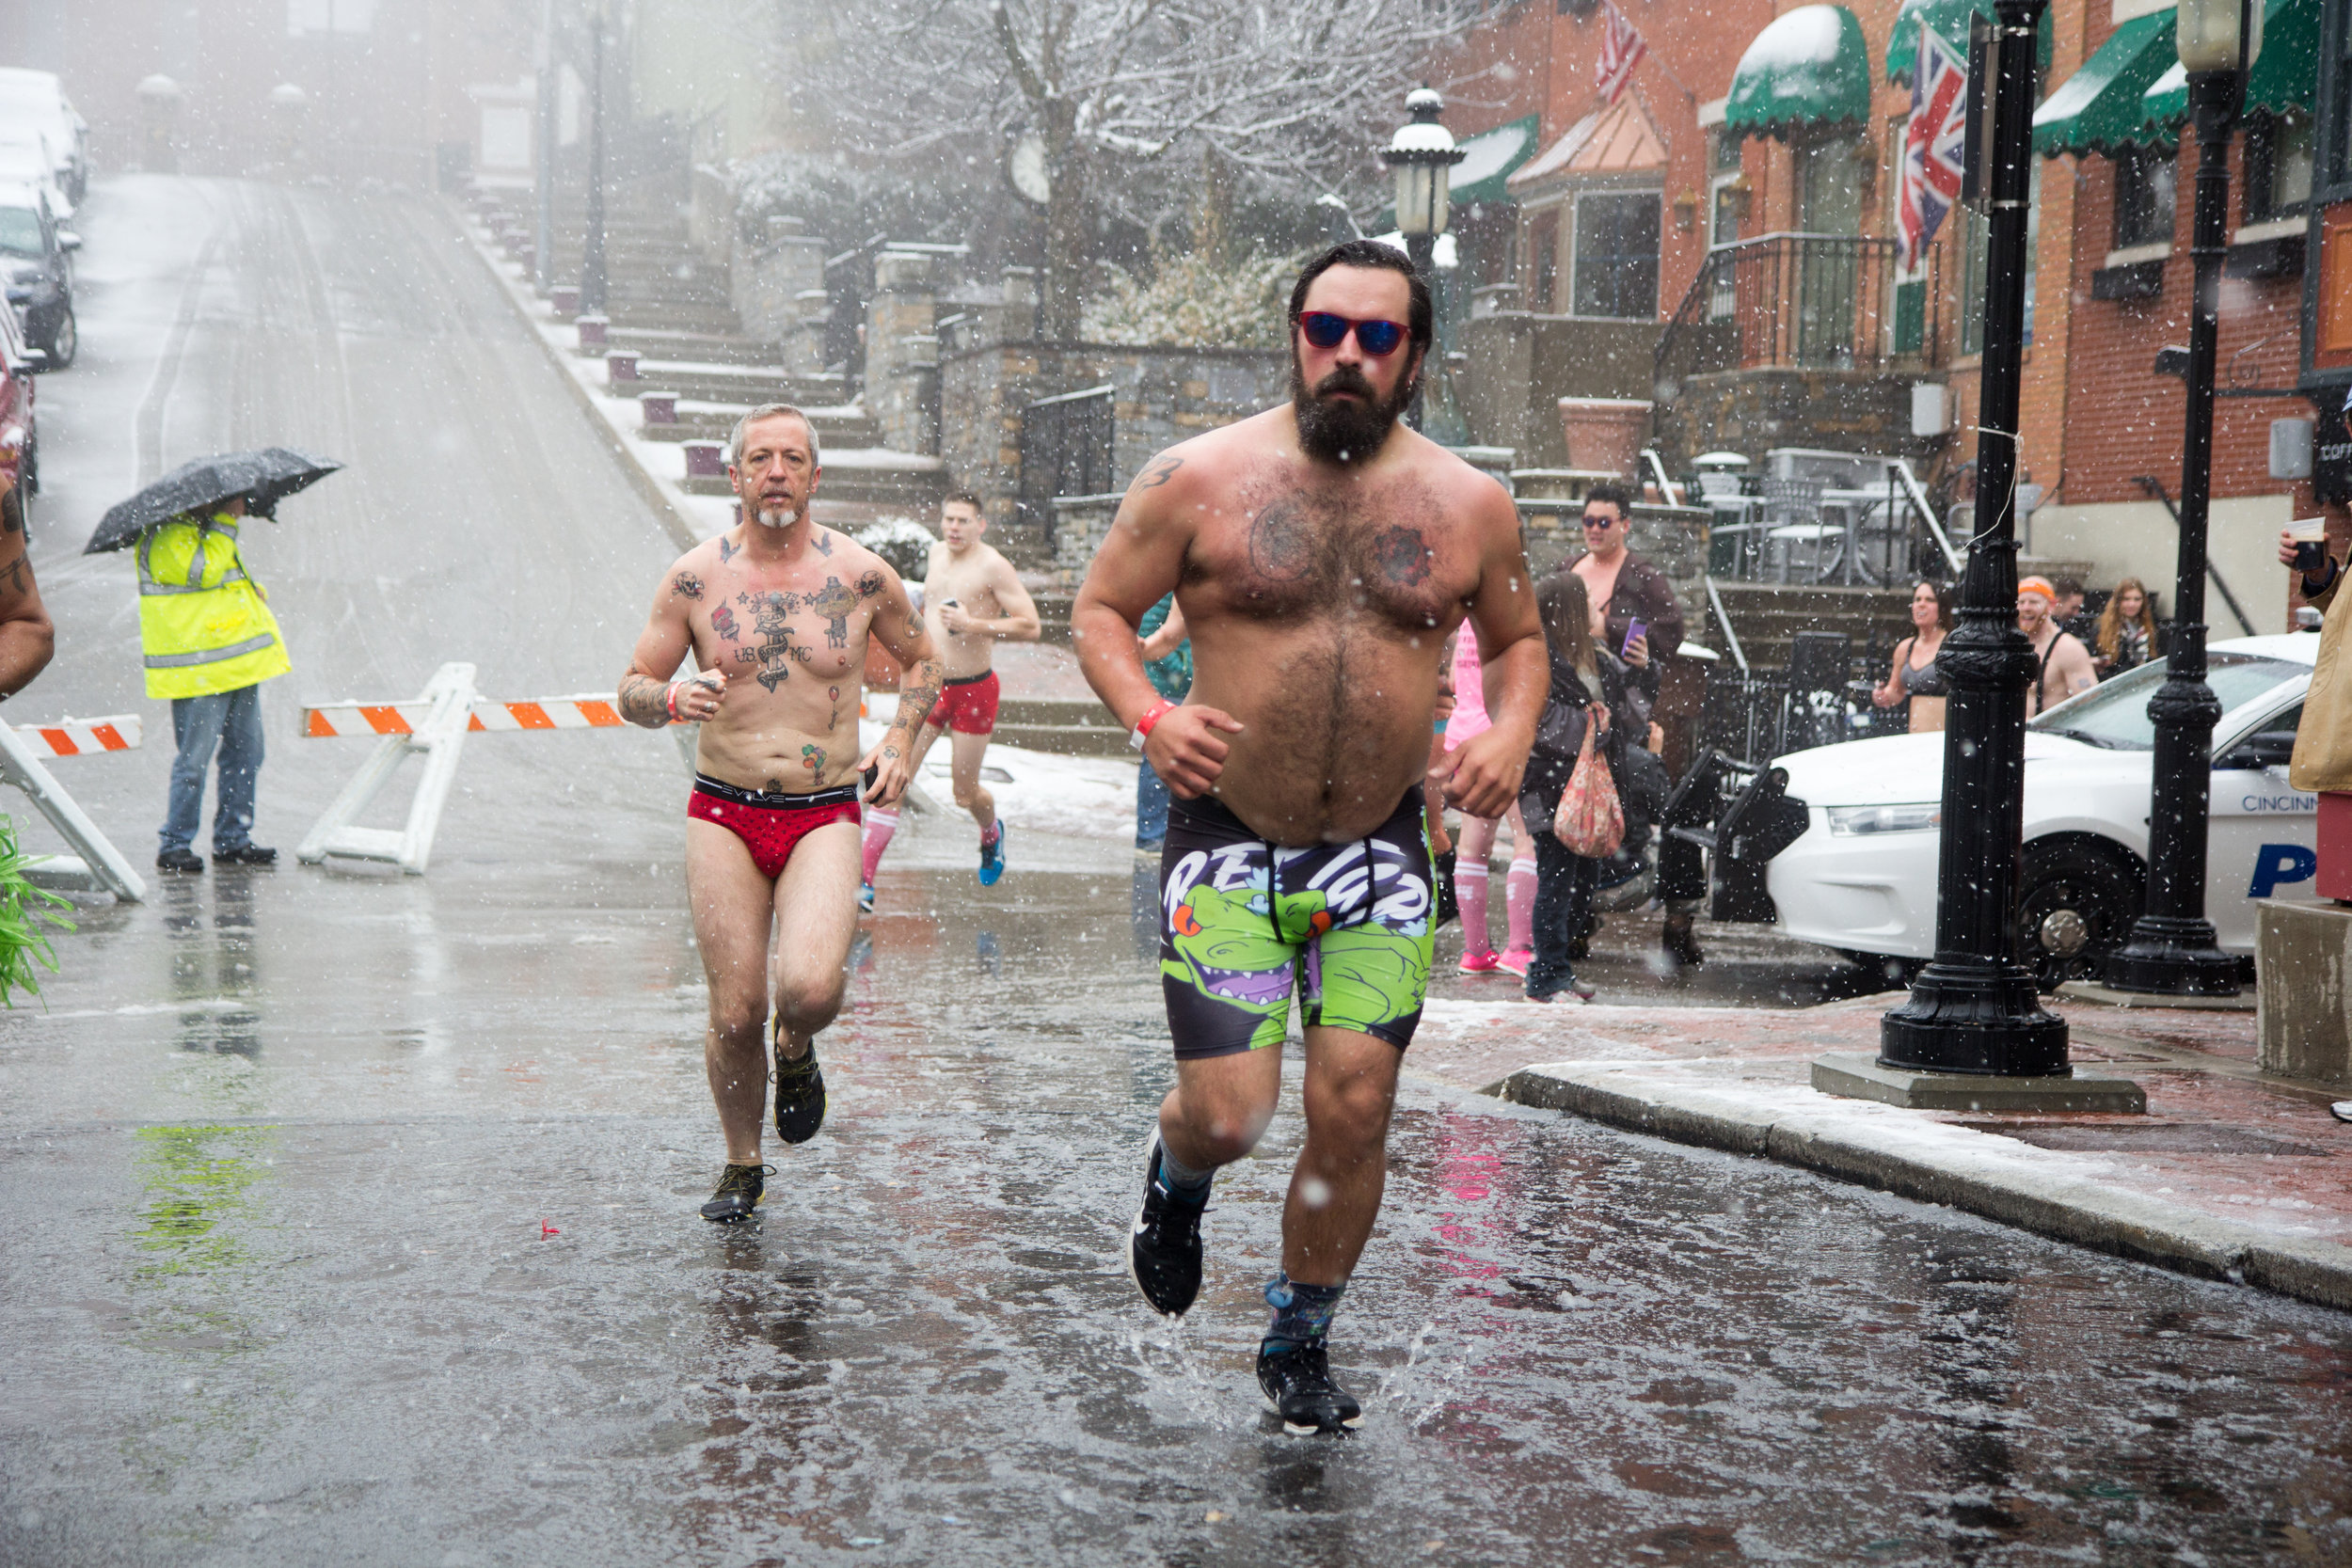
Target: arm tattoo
x=869, y=585
x=18, y=575
x=919, y=695
x=645, y=701
x=1154, y=478
x=687, y=584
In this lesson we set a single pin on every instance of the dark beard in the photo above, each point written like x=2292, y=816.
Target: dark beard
x=1345, y=432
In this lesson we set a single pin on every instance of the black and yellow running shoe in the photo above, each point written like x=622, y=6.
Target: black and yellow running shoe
x=737, y=1195
x=800, y=1095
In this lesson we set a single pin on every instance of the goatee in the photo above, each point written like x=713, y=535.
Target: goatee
x=777, y=519
x=1345, y=432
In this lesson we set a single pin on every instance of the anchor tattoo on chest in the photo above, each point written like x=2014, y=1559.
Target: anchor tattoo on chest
x=771, y=620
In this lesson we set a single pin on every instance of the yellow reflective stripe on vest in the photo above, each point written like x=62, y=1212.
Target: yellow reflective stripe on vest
x=211, y=656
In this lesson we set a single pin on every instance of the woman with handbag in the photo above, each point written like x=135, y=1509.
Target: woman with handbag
x=1569, y=798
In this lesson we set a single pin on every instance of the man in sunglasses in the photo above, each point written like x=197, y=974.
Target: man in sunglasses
x=1322, y=555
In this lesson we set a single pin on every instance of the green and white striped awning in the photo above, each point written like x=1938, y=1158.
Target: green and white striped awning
x=2098, y=109
x=1949, y=19
x=1810, y=67
x=2285, y=78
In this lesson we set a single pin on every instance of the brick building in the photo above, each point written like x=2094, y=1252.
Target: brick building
x=1768, y=138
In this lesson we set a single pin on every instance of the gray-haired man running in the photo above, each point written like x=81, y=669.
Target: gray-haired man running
x=777, y=611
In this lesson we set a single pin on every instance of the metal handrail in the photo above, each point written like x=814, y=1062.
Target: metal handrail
x=1723, y=619
x=1919, y=498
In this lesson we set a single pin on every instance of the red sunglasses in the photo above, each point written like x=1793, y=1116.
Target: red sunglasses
x=1379, y=338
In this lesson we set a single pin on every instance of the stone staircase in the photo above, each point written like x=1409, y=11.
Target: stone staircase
x=672, y=307
x=1068, y=726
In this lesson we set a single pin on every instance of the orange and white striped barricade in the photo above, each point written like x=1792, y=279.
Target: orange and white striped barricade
x=434, y=724
x=99, y=866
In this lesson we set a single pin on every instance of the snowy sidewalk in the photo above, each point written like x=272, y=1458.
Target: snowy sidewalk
x=2229, y=1173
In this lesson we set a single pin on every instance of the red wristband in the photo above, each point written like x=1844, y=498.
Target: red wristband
x=1151, y=715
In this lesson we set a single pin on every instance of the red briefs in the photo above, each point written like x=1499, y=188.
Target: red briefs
x=770, y=826
x=968, y=705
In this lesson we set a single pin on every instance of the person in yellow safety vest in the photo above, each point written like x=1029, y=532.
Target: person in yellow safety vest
x=210, y=642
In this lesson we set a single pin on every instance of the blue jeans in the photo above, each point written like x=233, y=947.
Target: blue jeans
x=231, y=722
x=1151, y=808
x=1564, y=901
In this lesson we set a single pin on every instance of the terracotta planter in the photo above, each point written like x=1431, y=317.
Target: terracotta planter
x=1606, y=434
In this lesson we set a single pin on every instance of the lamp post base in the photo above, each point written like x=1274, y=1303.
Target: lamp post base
x=1855, y=1076
x=1975, y=1020
x=2167, y=956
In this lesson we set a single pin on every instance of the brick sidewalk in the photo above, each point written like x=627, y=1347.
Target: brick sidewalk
x=2229, y=1172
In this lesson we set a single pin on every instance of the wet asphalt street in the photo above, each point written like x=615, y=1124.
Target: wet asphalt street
x=350, y=1215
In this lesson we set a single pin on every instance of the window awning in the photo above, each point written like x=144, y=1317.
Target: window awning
x=1949, y=18
x=1489, y=159
x=1810, y=67
x=2285, y=76
x=2098, y=109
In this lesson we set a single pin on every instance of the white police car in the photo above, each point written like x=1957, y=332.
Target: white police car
x=1861, y=875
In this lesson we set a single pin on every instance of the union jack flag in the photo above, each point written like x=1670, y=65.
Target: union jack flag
x=1621, y=50
x=1933, y=148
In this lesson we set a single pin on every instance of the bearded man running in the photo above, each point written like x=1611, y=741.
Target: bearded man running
x=1322, y=557
x=776, y=612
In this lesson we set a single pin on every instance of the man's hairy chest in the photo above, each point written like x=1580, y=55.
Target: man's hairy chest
x=1291, y=552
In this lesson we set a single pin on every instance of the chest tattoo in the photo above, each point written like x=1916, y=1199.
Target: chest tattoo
x=723, y=622
x=869, y=585
x=1373, y=555
x=834, y=601
x=1280, y=541
x=687, y=584
x=729, y=551
x=1403, y=556
x=772, y=618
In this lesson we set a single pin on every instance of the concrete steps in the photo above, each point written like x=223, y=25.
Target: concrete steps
x=1768, y=616
x=738, y=386
x=702, y=348
x=1067, y=726
x=835, y=427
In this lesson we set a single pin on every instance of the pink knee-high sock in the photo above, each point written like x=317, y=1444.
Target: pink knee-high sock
x=1470, y=891
x=880, y=825
x=1518, y=902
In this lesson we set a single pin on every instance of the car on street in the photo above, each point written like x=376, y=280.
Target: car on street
x=1861, y=875
x=27, y=162
x=36, y=258
x=20, y=433
x=33, y=103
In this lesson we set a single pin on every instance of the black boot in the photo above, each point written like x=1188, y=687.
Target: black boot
x=1681, y=941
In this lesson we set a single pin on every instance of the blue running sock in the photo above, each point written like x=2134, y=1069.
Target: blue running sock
x=1183, y=1184
x=1302, y=1313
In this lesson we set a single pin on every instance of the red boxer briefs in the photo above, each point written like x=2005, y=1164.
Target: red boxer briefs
x=771, y=825
x=968, y=705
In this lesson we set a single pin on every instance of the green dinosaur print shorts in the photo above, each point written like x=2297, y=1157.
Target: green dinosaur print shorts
x=1243, y=923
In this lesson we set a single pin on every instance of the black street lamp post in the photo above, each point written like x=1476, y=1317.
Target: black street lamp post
x=592, y=280
x=1423, y=155
x=2172, y=948
x=1975, y=1009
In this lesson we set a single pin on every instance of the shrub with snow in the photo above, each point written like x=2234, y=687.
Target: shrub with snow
x=902, y=540
x=1195, y=301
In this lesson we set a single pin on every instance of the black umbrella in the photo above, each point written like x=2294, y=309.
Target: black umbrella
x=262, y=478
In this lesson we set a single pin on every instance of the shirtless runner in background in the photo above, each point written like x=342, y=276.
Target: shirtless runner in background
x=972, y=600
x=776, y=612
x=1322, y=555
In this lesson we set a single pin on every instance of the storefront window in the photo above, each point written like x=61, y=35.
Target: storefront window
x=1975, y=234
x=2146, y=189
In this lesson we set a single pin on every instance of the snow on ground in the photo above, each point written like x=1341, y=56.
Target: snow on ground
x=1082, y=797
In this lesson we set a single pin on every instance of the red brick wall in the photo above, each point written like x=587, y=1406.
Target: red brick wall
x=2124, y=419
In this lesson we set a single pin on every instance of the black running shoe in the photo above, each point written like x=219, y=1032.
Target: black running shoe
x=737, y=1195
x=800, y=1095
x=1449, y=909
x=1164, y=1252
x=1298, y=1387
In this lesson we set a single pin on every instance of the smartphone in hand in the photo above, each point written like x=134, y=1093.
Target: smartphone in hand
x=1637, y=628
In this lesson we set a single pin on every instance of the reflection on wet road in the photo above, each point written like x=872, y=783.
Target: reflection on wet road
x=351, y=1216
x=410, y=1270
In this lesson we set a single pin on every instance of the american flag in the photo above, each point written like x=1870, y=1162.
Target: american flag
x=1933, y=148
x=1621, y=50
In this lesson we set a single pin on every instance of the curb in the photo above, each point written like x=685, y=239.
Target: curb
x=2013, y=1189
x=649, y=489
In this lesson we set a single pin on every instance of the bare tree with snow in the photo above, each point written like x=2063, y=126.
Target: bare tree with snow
x=1293, y=96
